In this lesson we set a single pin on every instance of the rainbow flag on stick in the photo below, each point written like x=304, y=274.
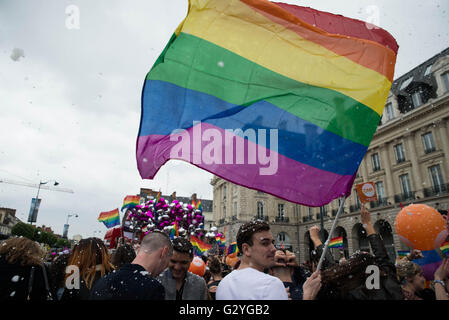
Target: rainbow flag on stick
x=229, y=69
x=110, y=218
x=233, y=249
x=130, y=202
x=199, y=247
x=336, y=243
x=174, y=232
x=445, y=248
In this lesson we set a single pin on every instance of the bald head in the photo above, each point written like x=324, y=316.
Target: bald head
x=155, y=241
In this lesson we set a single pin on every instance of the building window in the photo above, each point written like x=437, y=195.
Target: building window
x=436, y=177
x=445, y=77
x=428, y=70
x=259, y=210
x=357, y=199
x=310, y=213
x=380, y=190
x=281, y=237
x=405, y=184
x=224, y=192
x=389, y=111
x=417, y=98
x=281, y=212
x=400, y=153
x=235, y=209
x=429, y=145
x=376, y=162
x=224, y=212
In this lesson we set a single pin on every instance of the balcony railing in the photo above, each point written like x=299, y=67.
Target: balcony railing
x=282, y=219
x=400, y=160
x=381, y=202
x=436, y=190
x=407, y=196
x=429, y=150
x=355, y=207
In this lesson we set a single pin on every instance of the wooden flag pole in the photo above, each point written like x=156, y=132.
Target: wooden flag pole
x=326, y=244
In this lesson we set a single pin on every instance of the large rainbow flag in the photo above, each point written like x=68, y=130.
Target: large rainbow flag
x=110, y=218
x=429, y=263
x=199, y=247
x=304, y=88
x=130, y=202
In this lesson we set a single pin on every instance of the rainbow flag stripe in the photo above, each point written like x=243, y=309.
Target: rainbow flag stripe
x=110, y=218
x=130, y=202
x=199, y=247
x=429, y=263
x=233, y=249
x=403, y=253
x=320, y=80
x=445, y=248
x=336, y=243
x=174, y=232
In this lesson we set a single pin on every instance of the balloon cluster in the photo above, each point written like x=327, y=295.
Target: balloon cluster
x=213, y=233
x=162, y=215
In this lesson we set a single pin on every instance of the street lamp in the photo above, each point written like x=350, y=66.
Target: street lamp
x=66, y=226
x=33, y=217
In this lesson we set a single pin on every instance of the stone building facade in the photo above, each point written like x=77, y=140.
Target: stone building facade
x=407, y=160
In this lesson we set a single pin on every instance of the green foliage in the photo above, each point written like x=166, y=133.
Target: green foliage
x=25, y=230
x=62, y=243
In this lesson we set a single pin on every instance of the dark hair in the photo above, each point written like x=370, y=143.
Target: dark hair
x=21, y=250
x=246, y=231
x=348, y=276
x=123, y=255
x=215, y=266
x=182, y=245
x=57, y=271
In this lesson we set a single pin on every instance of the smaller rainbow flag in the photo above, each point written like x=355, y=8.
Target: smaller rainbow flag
x=199, y=247
x=336, y=243
x=110, y=218
x=445, y=248
x=233, y=249
x=174, y=232
x=403, y=253
x=197, y=205
x=130, y=202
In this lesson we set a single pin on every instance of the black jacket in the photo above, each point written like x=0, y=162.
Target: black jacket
x=14, y=282
x=130, y=282
x=82, y=293
x=390, y=288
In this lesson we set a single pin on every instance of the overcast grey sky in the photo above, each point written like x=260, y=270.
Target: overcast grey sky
x=70, y=108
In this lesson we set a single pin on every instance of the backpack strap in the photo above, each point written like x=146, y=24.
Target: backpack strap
x=47, y=287
x=30, y=283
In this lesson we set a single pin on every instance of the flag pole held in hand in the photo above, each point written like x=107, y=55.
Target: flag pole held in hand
x=326, y=244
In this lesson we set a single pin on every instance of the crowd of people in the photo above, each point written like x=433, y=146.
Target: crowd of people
x=158, y=269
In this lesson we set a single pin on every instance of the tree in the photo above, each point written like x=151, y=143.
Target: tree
x=23, y=230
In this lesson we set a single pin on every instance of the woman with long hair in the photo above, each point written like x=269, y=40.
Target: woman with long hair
x=22, y=273
x=93, y=261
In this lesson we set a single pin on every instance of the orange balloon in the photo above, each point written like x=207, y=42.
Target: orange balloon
x=421, y=227
x=197, y=266
x=231, y=261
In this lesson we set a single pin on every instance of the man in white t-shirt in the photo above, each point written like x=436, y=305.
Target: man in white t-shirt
x=249, y=282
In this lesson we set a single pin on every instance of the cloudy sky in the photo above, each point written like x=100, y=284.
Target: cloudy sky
x=70, y=105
